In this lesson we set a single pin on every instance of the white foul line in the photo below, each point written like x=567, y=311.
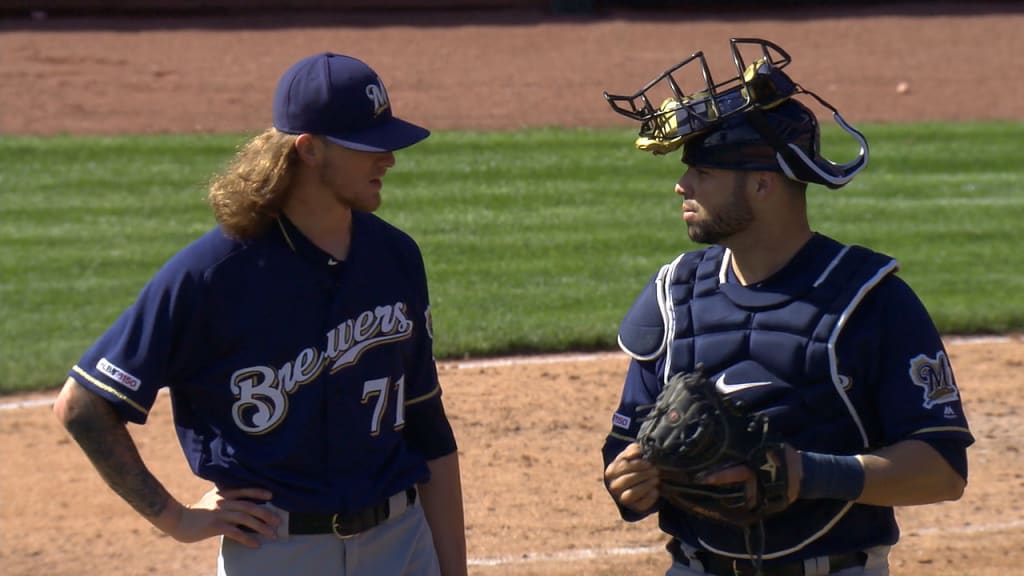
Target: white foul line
x=450, y=364
x=532, y=360
x=26, y=404
x=567, y=555
x=563, y=556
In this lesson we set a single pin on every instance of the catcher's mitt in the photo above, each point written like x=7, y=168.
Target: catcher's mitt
x=692, y=430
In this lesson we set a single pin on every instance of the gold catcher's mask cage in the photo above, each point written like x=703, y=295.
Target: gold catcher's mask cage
x=741, y=102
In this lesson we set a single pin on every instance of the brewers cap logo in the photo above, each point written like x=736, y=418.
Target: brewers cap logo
x=379, y=96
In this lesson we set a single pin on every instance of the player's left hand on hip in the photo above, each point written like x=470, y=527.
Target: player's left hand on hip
x=229, y=512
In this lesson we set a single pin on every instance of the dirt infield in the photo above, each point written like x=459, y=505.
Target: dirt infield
x=532, y=473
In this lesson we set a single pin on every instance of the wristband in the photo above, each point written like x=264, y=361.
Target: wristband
x=830, y=476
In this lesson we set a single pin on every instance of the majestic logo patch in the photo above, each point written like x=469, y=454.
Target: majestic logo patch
x=620, y=421
x=936, y=377
x=379, y=96
x=118, y=375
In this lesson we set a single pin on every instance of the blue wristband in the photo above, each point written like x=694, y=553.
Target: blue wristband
x=830, y=476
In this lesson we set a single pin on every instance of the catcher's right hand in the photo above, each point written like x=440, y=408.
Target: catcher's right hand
x=632, y=481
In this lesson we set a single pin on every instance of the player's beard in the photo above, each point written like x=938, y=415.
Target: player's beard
x=363, y=201
x=731, y=218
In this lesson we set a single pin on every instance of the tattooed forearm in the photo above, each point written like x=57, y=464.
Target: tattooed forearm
x=110, y=448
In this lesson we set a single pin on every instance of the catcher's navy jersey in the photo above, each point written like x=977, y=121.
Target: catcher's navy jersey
x=868, y=371
x=288, y=370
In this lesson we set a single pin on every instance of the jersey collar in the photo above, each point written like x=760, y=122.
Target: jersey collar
x=797, y=277
x=299, y=244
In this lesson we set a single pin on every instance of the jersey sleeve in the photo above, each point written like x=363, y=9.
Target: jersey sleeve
x=138, y=354
x=915, y=394
x=639, y=393
x=427, y=427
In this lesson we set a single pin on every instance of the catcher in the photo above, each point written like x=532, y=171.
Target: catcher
x=786, y=391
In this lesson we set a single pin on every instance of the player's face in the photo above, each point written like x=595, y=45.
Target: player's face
x=354, y=177
x=715, y=204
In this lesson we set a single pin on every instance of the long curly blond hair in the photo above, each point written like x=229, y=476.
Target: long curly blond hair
x=250, y=193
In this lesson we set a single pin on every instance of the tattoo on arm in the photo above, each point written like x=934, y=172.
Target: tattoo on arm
x=106, y=441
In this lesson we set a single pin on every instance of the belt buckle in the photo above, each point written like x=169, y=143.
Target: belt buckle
x=335, y=527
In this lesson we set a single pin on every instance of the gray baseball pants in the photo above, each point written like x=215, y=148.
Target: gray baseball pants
x=401, y=546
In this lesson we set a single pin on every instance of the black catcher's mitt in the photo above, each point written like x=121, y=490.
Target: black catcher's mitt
x=692, y=430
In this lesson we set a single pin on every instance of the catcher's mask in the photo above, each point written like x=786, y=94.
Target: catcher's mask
x=748, y=122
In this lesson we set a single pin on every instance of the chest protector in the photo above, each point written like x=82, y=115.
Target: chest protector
x=774, y=350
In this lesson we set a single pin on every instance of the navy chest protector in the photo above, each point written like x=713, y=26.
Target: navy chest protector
x=771, y=349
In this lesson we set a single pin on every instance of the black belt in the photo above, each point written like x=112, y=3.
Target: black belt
x=725, y=566
x=351, y=524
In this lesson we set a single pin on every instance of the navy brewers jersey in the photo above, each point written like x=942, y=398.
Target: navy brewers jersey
x=834, y=348
x=287, y=370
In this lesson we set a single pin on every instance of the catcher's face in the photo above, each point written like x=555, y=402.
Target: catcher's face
x=715, y=203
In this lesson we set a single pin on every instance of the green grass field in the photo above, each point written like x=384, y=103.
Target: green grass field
x=534, y=241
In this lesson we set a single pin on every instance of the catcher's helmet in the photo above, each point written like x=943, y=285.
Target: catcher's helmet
x=736, y=143
x=749, y=122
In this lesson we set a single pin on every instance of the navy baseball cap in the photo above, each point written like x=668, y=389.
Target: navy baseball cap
x=343, y=99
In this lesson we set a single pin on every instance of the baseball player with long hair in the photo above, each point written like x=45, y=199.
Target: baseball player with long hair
x=821, y=339
x=295, y=339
